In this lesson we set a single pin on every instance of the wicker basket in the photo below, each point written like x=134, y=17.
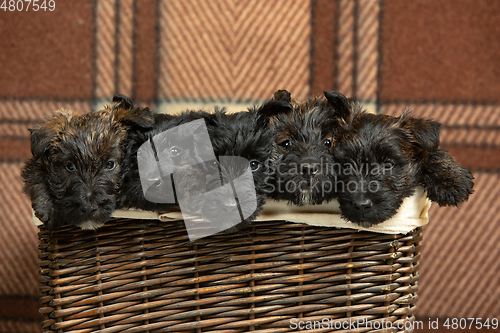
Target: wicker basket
x=144, y=276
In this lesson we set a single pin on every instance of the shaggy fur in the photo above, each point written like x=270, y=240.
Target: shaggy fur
x=244, y=134
x=73, y=177
x=302, y=170
x=132, y=194
x=382, y=159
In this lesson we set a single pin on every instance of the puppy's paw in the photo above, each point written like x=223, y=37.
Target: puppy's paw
x=44, y=211
x=453, y=191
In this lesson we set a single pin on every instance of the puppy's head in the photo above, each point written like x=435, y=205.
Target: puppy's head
x=236, y=181
x=379, y=161
x=74, y=174
x=302, y=163
x=243, y=143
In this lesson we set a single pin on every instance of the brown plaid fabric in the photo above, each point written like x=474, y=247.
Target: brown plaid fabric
x=439, y=58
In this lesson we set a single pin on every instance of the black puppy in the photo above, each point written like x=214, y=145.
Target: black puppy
x=202, y=177
x=381, y=159
x=73, y=177
x=157, y=156
x=243, y=143
x=302, y=165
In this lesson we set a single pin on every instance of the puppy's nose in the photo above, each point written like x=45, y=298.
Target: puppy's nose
x=87, y=209
x=309, y=169
x=363, y=204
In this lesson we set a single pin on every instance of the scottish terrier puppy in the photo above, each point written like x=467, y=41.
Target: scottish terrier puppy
x=240, y=144
x=302, y=165
x=74, y=175
x=243, y=143
x=160, y=156
x=382, y=159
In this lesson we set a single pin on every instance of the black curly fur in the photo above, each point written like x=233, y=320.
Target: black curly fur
x=244, y=134
x=394, y=155
x=301, y=161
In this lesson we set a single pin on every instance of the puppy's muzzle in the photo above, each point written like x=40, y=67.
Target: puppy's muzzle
x=89, y=208
x=362, y=203
x=94, y=201
x=309, y=168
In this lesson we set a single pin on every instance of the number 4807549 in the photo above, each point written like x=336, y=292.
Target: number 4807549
x=27, y=5
x=464, y=323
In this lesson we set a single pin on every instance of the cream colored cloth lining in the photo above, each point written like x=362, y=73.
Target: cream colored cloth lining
x=413, y=213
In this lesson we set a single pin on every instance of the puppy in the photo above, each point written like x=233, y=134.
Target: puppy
x=229, y=174
x=73, y=177
x=382, y=159
x=302, y=170
x=155, y=157
x=242, y=143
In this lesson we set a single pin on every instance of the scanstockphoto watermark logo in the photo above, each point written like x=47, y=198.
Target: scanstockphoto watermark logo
x=178, y=166
x=353, y=324
x=363, y=324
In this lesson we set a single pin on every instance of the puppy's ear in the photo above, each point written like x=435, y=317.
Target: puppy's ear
x=283, y=95
x=124, y=101
x=272, y=108
x=135, y=118
x=339, y=102
x=425, y=132
x=41, y=138
x=446, y=181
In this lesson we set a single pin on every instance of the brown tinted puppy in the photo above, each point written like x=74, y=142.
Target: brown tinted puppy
x=302, y=165
x=74, y=175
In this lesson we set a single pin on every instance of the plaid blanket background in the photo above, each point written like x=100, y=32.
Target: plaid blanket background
x=440, y=58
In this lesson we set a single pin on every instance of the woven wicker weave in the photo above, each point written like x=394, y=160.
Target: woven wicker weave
x=143, y=276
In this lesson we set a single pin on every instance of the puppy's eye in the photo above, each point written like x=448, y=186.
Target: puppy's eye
x=327, y=143
x=285, y=144
x=254, y=165
x=174, y=151
x=110, y=165
x=70, y=167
